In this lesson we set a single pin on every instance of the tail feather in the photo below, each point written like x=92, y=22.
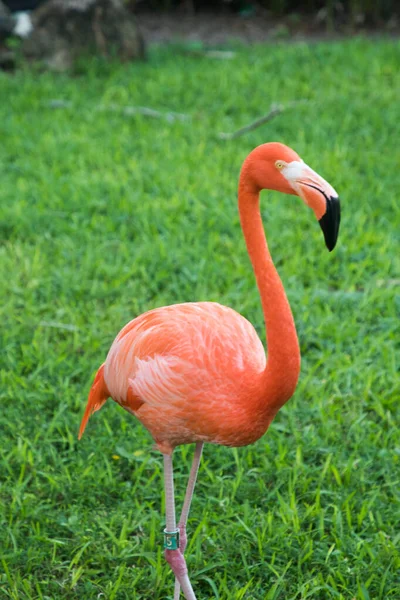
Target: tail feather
x=97, y=396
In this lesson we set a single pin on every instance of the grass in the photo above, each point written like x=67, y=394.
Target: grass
x=104, y=216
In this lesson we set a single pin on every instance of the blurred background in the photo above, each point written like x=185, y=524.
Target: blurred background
x=123, y=127
x=52, y=25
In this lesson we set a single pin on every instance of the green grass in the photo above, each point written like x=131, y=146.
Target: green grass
x=104, y=216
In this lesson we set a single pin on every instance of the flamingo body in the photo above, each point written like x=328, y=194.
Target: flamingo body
x=190, y=372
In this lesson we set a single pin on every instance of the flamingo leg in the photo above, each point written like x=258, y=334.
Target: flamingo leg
x=186, y=507
x=174, y=557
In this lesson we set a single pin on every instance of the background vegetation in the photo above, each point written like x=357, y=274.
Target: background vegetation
x=105, y=215
x=354, y=12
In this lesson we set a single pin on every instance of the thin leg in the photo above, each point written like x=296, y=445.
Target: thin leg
x=186, y=507
x=175, y=557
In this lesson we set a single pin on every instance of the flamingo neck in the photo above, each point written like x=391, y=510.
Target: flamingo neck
x=278, y=381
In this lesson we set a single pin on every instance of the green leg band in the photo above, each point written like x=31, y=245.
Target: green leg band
x=171, y=540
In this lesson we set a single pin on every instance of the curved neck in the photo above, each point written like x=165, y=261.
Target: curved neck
x=282, y=370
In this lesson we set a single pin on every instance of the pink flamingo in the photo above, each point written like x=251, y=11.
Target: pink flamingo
x=197, y=372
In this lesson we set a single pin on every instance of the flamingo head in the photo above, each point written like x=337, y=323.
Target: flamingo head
x=275, y=166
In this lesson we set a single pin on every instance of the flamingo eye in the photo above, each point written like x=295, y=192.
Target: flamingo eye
x=280, y=164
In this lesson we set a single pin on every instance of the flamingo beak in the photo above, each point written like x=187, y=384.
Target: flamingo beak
x=330, y=221
x=319, y=195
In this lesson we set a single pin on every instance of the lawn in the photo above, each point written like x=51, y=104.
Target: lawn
x=105, y=215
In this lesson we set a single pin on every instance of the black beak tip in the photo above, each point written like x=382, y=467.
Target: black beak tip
x=330, y=244
x=330, y=222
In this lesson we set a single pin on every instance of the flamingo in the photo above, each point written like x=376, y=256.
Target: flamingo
x=197, y=372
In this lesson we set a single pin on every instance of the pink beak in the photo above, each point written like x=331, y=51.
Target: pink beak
x=319, y=195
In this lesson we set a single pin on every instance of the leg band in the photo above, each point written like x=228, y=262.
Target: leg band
x=171, y=540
